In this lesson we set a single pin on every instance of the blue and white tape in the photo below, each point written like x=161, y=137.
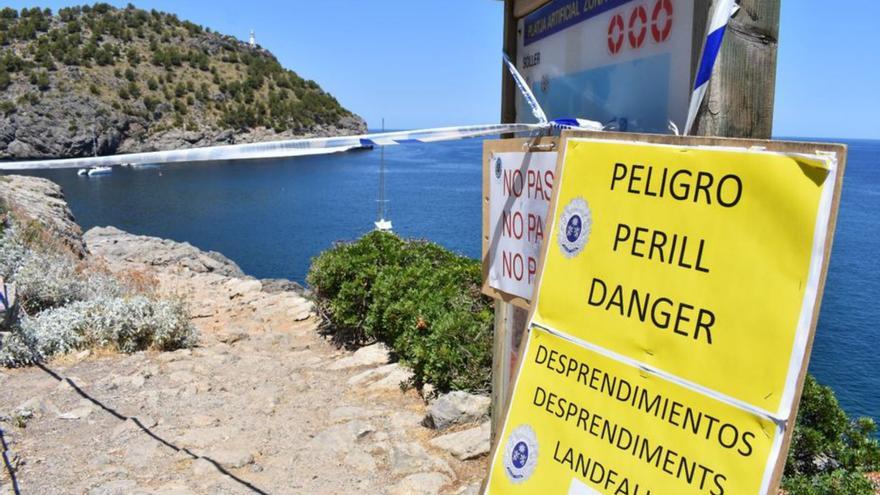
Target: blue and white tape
x=523, y=86
x=718, y=19
x=277, y=149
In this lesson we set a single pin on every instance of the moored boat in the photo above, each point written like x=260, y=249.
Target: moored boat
x=100, y=171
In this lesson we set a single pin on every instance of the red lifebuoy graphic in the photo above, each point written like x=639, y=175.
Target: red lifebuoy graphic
x=615, y=34
x=661, y=26
x=638, y=26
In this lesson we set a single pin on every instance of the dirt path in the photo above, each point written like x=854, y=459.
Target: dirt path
x=263, y=405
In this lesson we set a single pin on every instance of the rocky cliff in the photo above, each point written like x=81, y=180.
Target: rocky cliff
x=97, y=79
x=42, y=201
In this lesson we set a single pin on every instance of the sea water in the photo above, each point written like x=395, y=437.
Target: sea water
x=272, y=216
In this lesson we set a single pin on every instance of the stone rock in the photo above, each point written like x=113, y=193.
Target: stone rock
x=113, y=243
x=172, y=489
x=145, y=421
x=201, y=420
x=340, y=438
x=301, y=315
x=138, y=380
x=239, y=287
x=29, y=408
x=277, y=285
x=457, y=407
x=42, y=200
x=203, y=437
x=371, y=355
x=232, y=336
x=472, y=489
x=182, y=377
x=116, y=487
x=202, y=468
x=231, y=458
x=411, y=457
x=466, y=444
x=398, y=377
x=420, y=484
x=360, y=460
x=345, y=413
x=78, y=413
x=140, y=452
x=404, y=420
x=372, y=375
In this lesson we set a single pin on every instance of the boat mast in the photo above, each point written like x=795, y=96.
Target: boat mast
x=381, y=223
x=381, y=205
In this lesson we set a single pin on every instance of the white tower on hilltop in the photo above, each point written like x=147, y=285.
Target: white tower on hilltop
x=253, y=40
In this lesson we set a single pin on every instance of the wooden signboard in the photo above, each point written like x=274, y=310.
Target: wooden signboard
x=676, y=302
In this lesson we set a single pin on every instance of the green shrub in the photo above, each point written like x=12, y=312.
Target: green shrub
x=417, y=297
x=829, y=451
x=838, y=482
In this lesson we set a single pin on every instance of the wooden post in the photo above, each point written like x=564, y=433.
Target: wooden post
x=508, y=87
x=499, y=360
x=500, y=336
x=510, y=323
x=739, y=100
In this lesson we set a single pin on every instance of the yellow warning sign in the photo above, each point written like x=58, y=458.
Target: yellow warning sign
x=672, y=319
x=703, y=263
x=582, y=423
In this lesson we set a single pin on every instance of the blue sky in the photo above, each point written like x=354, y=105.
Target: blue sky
x=426, y=64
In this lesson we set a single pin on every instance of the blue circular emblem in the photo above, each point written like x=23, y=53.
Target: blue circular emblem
x=573, y=228
x=520, y=455
x=498, y=168
x=575, y=224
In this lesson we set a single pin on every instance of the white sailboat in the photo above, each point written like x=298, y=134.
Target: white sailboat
x=382, y=224
x=90, y=171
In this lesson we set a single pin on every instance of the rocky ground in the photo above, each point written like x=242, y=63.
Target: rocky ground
x=264, y=404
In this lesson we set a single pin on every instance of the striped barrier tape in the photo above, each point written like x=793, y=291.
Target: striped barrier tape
x=278, y=149
x=722, y=11
x=523, y=86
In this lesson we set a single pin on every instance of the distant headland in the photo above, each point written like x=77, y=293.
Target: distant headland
x=102, y=80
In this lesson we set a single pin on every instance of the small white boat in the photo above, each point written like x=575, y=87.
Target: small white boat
x=100, y=171
x=82, y=171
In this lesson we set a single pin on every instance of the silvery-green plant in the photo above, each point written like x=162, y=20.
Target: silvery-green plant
x=127, y=324
x=69, y=308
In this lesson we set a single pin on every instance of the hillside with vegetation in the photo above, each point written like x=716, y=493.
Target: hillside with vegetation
x=126, y=80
